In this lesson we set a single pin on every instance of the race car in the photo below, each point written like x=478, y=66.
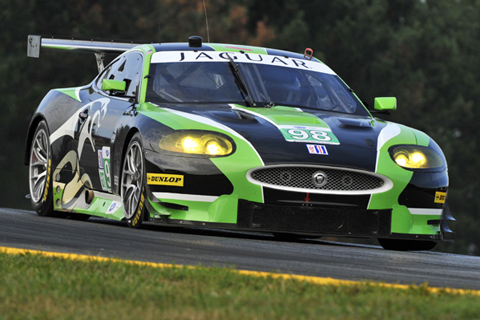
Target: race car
x=233, y=137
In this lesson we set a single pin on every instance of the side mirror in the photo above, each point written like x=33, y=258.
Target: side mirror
x=114, y=86
x=385, y=103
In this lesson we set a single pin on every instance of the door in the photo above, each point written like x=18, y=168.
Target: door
x=99, y=118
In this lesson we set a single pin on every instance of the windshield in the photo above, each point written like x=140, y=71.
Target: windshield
x=268, y=85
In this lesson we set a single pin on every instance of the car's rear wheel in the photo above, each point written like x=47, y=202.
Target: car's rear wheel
x=40, y=171
x=407, y=245
x=133, y=183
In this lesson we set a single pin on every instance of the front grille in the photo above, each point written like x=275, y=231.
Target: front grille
x=316, y=178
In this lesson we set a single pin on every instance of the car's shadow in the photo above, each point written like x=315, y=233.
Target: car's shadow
x=240, y=234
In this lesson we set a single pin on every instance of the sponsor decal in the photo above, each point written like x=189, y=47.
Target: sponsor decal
x=104, y=168
x=47, y=185
x=309, y=134
x=113, y=207
x=440, y=197
x=100, y=159
x=139, y=211
x=165, y=179
x=218, y=56
x=317, y=149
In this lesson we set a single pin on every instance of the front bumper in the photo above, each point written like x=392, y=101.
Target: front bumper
x=306, y=220
x=335, y=221
x=225, y=199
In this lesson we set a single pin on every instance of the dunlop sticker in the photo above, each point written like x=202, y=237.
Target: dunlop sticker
x=440, y=197
x=165, y=179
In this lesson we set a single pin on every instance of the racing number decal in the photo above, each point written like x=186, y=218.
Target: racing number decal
x=104, y=168
x=309, y=134
x=303, y=135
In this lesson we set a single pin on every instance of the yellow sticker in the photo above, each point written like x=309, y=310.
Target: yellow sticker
x=165, y=179
x=440, y=197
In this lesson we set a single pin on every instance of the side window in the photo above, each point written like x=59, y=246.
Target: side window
x=132, y=73
x=110, y=70
x=126, y=68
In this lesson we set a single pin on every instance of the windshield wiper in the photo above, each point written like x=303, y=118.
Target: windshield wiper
x=240, y=81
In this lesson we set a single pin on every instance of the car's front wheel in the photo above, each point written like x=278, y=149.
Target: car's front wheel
x=40, y=171
x=407, y=245
x=133, y=183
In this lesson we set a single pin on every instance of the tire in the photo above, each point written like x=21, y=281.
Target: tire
x=40, y=172
x=133, y=183
x=407, y=245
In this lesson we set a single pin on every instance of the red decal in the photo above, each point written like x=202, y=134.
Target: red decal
x=238, y=48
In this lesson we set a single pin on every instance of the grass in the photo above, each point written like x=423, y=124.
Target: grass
x=37, y=287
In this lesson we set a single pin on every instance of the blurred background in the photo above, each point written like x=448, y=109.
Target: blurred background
x=424, y=52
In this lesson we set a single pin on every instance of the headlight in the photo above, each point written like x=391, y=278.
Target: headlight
x=416, y=157
x=197, y=142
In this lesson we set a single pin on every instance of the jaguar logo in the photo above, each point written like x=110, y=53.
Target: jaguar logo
x=319, y=178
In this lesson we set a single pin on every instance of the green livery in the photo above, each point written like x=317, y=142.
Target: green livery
x=234, y=137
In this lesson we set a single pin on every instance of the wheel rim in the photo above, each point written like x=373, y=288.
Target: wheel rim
x=38, y=172
x=132, y=179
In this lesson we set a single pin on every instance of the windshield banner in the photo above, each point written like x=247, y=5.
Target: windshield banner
x=216, y=56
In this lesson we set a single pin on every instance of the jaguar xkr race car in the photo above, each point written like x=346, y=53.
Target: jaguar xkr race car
x=232, y=137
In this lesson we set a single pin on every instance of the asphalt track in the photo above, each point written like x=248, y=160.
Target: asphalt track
x=242, y=251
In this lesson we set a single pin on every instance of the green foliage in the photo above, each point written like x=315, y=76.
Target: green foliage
x=424, y=52
x=36, y=287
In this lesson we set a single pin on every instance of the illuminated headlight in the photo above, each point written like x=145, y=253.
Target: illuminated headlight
x=197, y=142
x=416, y=157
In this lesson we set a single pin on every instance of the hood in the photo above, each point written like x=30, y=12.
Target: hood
x=287, y=135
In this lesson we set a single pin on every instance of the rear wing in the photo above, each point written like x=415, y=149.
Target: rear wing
x=99, y=48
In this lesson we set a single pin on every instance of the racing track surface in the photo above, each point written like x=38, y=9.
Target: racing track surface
x=245, y=251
